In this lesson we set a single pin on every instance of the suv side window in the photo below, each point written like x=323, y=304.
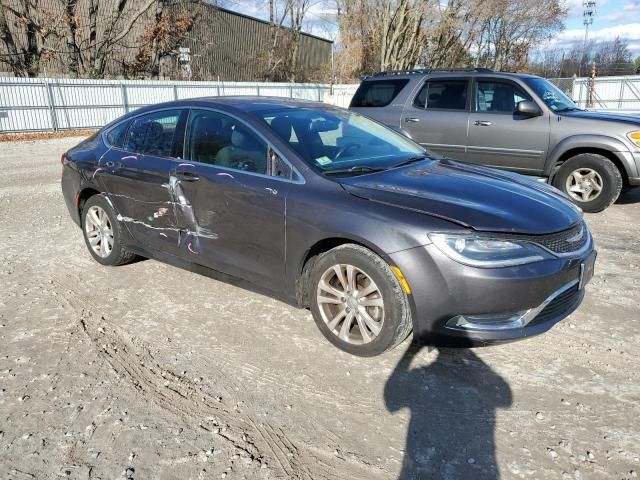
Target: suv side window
x=377, y=93
x=443, y=95
x=498, y=97
x=218, y=139
x=155, y=134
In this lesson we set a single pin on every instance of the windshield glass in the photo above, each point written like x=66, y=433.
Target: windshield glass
x=333, y=140
x=555, y=98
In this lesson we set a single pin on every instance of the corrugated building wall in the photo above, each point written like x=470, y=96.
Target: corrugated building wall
x=227, y=45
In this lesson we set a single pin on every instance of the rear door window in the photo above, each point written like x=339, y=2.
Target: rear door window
x=156, y=134
x=377, y=93
x=443, y=95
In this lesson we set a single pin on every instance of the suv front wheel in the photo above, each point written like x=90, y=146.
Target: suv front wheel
x=592, y=181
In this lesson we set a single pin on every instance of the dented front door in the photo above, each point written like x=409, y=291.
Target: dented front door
x=236, y=222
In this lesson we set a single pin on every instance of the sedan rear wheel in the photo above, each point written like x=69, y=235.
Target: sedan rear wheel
x=103, y=233
x=357, y=301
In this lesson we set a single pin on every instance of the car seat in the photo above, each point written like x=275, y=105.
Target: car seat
x=246, y=152
x=207, y=139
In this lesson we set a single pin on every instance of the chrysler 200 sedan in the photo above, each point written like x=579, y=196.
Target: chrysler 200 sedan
x=331, y=211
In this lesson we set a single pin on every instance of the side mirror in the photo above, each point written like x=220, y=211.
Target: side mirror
x=528, y=109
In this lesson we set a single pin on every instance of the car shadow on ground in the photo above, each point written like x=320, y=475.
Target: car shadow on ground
x=629, y=197
x=452, y=402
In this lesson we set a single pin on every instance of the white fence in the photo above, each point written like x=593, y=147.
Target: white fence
x=42, y=104
x=621, y=94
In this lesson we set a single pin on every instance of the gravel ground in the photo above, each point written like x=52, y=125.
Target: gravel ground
x=149, y=371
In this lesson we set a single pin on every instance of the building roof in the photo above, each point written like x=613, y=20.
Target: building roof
x=233, y=12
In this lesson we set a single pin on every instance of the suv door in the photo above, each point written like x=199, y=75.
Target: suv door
x=498, y=135
x=437, y=116
x=135, y=172
x=237, y=198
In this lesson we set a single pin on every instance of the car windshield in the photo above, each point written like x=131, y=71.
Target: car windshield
x=336, y=141
x=555, y=98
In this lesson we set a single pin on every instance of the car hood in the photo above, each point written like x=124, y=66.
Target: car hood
x=476, y=197
x=603, y=116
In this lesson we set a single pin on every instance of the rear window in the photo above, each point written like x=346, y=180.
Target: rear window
x=377, y=93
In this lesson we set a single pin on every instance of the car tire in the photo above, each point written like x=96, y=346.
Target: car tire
x=597, y=171
x=378, y=300
x=103, y=233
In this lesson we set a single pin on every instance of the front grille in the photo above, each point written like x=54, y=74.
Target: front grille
x=567, y=241
x=559, y=305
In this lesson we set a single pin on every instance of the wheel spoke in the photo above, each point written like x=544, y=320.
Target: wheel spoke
x=363, y=329
x=333, y=300
x=329, y=289
x=346, y=326
x=368, y=290
x=94, y=218
x=94, y=241
x=576, y=188
x=335, y=320
x=374, y=326
x=341, y=277
x=351, y=278
x=371, y=302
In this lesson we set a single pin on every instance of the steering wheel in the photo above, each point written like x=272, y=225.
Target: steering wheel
x=346, y=148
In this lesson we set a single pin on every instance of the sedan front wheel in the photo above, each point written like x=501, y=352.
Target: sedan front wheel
x=357, y=301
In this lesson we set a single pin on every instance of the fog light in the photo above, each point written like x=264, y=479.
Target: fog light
x=491, y=321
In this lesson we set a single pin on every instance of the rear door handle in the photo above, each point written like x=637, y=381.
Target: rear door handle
x=187, y=176
x=411, y=120
x=482, y=123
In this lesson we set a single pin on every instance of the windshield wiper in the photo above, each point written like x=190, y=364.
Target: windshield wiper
x=409, y=161
x=358, y=169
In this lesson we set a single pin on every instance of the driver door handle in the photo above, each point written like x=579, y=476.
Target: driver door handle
x=187, y=176
x=482, y=123
x=411, y=120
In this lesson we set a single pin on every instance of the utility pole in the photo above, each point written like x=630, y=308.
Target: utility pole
x=592, y=85
x=588, y=13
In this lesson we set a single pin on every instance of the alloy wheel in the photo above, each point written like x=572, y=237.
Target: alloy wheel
x=99, y=231
x=584, y=184
x=350, y=304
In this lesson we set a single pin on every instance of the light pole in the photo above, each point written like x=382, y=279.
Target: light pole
x=588, y=13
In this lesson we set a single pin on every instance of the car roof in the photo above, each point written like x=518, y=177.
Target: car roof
x=421, y=73
x=240, y=103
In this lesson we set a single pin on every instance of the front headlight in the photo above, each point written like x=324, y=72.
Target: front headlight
x=634, y=137
x=486, y=252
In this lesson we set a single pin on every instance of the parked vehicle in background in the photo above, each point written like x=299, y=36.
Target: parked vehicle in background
x=513, y=121
x=332, y=211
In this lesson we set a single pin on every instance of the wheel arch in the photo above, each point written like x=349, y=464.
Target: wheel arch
x=83, y=195
x=608, y=147
x=319, y=247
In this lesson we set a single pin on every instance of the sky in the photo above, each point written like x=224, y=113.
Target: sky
x=614, y=18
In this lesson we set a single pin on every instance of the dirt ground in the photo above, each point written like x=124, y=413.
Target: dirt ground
x=148, y=371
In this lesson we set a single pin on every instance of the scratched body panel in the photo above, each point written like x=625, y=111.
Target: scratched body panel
x=137, y=186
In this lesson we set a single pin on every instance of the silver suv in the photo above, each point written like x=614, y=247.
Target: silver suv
x=514, y=121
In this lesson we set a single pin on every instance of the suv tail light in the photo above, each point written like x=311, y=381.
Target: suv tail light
x=63, y=157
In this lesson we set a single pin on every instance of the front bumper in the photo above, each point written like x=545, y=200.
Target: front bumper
x=443, y=290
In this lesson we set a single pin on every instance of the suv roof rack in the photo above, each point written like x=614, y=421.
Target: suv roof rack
x=422, y=71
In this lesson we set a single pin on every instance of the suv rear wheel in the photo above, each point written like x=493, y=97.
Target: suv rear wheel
x=592, y=181
x=357, y=302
